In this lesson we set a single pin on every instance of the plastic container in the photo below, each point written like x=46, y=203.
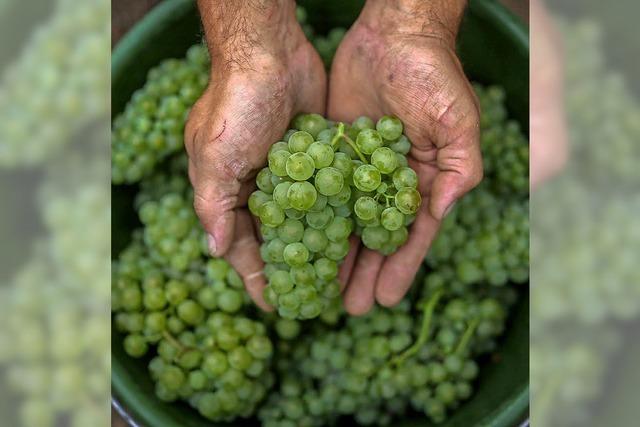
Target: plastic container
x=494, y=48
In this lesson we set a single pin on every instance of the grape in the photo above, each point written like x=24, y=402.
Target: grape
x=320, y=220
x=329, y=181
x=256, y=200
x=365, y=208
x=291, y=230
x=300, y=166
x=321, y=154
x=315, y=240
x=390, y=128
x=280, y=195
x=368, y=141
x=341, y=198
x=405, y=177
x=326, y=269
x=363, y=122
x=278, y=162
x=392, y=219
x=281, y=282
x=401, y=146
x=302, y=196
x=271, y=214
x=263, y=180
x=374, y=237
x=343, y=163
x=385, y=160
x=313, y=123
x=367, y=178
x=336, y=251
x=295, y=254
x=338, y=229
x=299, y=142
x=408, y=200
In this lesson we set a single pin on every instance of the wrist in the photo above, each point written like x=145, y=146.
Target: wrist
x=255, y=35
x=432, y=18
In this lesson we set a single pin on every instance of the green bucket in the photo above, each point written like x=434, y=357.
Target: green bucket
x=494, y=49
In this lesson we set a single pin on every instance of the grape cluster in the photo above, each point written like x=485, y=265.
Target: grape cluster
x=206, y=352
x=325, y=45
x=379, y=365
x=316, y=179
x=505, y=149
x=152, y=125
x=57, y=85
x=485, y=239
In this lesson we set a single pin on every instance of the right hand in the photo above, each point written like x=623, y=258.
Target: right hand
x=244, y=110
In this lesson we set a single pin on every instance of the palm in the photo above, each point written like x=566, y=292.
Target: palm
x=420, y=81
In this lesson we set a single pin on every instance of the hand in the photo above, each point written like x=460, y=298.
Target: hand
x=259, y=81
x=382, y=68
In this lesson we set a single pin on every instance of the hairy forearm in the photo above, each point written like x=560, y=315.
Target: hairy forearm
x=239, y=32
x=439, y=18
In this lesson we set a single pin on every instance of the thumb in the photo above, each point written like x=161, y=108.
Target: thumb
x=216, y=186
x=460, y=170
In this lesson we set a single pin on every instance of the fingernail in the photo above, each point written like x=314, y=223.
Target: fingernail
x=211, y=241
x=449, y=209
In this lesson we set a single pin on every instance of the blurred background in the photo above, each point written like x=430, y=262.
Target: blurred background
x=585, y=227
x=55, y=218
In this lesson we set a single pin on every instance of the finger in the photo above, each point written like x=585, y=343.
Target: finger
x=344, y=274
x=244, y=256
x=359, y=296
x=460, y=170
x=218, y=170
x=399, y=269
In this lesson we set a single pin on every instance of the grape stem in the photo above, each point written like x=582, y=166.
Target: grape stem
x=174, y=342
x=341, y=134
x=423, y=336
x=466, y=337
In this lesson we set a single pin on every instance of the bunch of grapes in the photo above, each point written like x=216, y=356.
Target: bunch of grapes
x=485, y=239
x=57, y=85
x=378, y=365
x=505, y=149
x=151, y=127
x=317, y=178
x=206, y=351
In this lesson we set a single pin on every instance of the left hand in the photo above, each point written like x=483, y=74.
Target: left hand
x=383, y=69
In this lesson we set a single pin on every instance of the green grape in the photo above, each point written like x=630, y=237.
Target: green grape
x=291, y=230
x=300, y=166
x=281, y=282
x=398, y=237
x=280, y=195
x=294, y=213
x=302, y=196
x=329, y=181
x=278, y=146
x=390, y=128
x=408, y=200
x=310, y=123
x=303, y=274
x=256, y=200
x=384, y=159
x=367, y=178
x=326, y=269
x=271, y=214
x=275, y=250
x=322, y=154
x=336, y=251
x=363, y=122
x=405, y=177
x=263, y=180
x=135, y=345
x=315, y=239
x=401, y=146
x=295, y=254
x=374, y=237
x=365, y=208
x=278, y=161
x=342, y=198
x=299, y=142
x=343, y=163
x=320, y=220
x=338, y=229
x=321, y=202
x=368, y=141
x=392, y=219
